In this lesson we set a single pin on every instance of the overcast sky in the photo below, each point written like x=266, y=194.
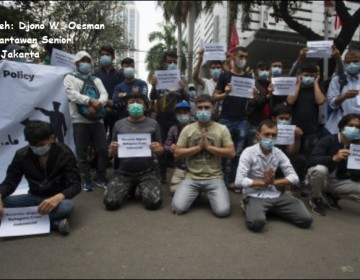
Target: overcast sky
x=150, y=15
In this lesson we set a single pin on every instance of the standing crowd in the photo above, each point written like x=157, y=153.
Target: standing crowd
x=215, y=141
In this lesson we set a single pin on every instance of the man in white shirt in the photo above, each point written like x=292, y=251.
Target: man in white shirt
x=262, y=193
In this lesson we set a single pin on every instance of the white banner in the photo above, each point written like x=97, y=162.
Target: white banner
x=31, y=92
x=134, y=145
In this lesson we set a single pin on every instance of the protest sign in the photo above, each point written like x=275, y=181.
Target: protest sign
x=61, y=58
x=285, y=135
x=167, y=79
x=320, y=49
x=353, y=161
x=284, y=85
x=134, y=145
x=242, y=87
x=215, y=51
x=23, y=221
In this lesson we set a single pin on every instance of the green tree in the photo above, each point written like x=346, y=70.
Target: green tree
x=166, y=42
x=91, y=12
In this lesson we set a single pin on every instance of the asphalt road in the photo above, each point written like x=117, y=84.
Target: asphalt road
x=135, y=243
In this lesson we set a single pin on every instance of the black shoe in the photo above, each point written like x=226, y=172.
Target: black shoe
x=317, y=206
x=305, y=190
x=332, y=201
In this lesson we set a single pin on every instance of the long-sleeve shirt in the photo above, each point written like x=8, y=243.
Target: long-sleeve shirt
x=61, y=174
x=253, y=164
x=73, y=87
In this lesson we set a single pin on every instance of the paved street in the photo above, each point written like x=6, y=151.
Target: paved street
x=135, y=243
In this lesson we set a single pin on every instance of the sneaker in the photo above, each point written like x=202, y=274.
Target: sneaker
x=332, y=201
x=101, y=184
x=317, y=206
x=64, y=227
x=87, y=187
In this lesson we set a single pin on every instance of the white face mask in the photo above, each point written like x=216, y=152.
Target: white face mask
x=241, y=63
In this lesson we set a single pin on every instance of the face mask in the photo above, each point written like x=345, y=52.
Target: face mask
x=183, y=118
x=129, y=72
x=40, y=151
x=105, y=60
x=171, y=66
x=283, y=122
x=267, y=144
x=203, y=116
x=264, y=74
x=307, y=81
x=215, y=73
x=353, y=68
x=192, y=93
x=85, y=67
x=351, y=133
x=136, y=110
x=241, y=63
x=276, y=71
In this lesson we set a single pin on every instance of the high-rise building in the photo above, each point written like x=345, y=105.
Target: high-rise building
x=265, y=38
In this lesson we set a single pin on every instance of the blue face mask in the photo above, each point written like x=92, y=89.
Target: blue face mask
x=183, y=119
x=84, y=67
x=129, y=72
x=276, y=71
x=307, y=81
x=264, y=74
x=267, y=144
x=105, y=60
x=136, y=110
x=282, y=122
x=192, y=93
x=353, y=68
x=171, y=66
x=40, y=151
x=215, y=73
x=203, y=116
x=351, y=133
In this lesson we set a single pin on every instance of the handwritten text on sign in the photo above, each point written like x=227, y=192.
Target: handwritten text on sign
x=286, y=135
x=354, y=158
x=284, y=86
x=242, y=87
x=167, y=79
x=134, y=145
x=23, y=221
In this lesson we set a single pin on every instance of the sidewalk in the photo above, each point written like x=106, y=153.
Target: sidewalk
x=135, y=243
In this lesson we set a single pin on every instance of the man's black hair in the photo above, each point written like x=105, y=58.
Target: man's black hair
x=204, y=98
x=169, y=53
x=346, y=119
x=36, y=131
x=269, y=123
x=309, y=68
x=282, y=109
x=127, y=60
x=108, y=49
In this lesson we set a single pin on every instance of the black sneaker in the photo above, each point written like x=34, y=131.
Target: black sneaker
x=332, y=201
x=317, y=206
x=64, y=227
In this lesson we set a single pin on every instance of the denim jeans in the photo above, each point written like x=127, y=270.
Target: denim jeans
x=63, y=210
x=239, y=131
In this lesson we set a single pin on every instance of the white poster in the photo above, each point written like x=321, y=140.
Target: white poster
x=23, y=221
x=61, y=58
x=215, y=51
x=284, y=85
x=320, y=49
x=167, y=79
x=30, y=92
x=353, y=161
x=242, y=87
x=286, y=135
x=134, y=145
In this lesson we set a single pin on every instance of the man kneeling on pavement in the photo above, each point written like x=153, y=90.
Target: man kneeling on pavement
x=52, y=173
x=329, y=177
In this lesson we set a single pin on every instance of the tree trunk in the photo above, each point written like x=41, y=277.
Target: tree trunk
x=179, y=40
x=191, y=31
